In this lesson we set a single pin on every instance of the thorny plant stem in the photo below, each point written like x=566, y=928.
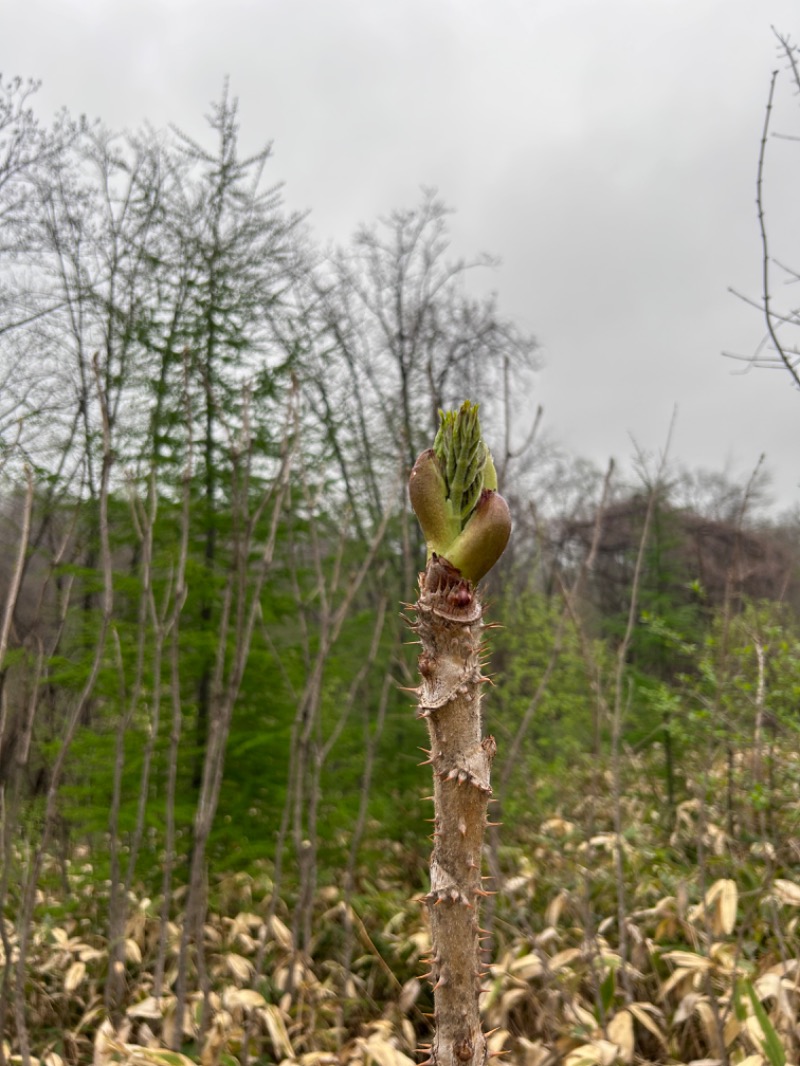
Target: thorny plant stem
x=449, y=621
x=466, y=524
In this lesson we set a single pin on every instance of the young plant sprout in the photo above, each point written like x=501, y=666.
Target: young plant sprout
x=466, y=523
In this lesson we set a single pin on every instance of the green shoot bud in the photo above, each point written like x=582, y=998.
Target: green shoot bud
x=462, y=457
x=484, y=538
x=453, y=490
x=428, y=493
x=489, y=473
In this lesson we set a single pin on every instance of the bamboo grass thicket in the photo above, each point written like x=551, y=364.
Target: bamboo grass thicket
x=466, y=524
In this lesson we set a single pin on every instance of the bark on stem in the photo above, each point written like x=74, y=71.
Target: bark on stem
x=449, y=621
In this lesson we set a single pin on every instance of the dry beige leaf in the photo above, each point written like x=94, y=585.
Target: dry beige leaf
x=513, y=884
x=685, y=1008
x=502, y=967
x=606, y=841
x=509, y=1000
x=136, y=926
x=564, y=958
x=532, y=1053
x=280, y=933
x=52, y=1058
x=705, y=1013
x=575, y=1012
x=754, y=1031
x=598, y=1053
x=787, y=892
x=763, y=849
x=716, y=838
x=731, y=1029
x=217, y=1037
x=620, y=1032
x=103, y=1039
x=382, y=1052
x=133, y=953
x=675, y=982
x=239, y=966
x=649, y=1016
x=559, y=826
x=688, y=960
x=420, y=941
x=496, y=1042
x=145, y=1036
x=297, y=974
x=244, y=922
x=87, y=954
x=409, y=995
x=666, y=905
x=88, y=1017
x=139, y=1056
x=547, y=935
x=75, y=974
x=246, y=943
x=723, y=955
x=313, y=1058
x=772, y=986
x=149, y=1008
x=785, y=969
x=718, y=907
x=527, y=967
x=246, y=997
x=728, y=901
x=273, y=1018
x=555, y=908
x=585, y=1055
x=769, y=985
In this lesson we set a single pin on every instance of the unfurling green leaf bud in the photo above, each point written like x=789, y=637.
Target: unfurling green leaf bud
x=483, y=540
x=428, y=493
x=462, y=458
x=489, y=473
x=453, y=490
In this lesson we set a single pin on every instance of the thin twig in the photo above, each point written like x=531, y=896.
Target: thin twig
x=765, y=259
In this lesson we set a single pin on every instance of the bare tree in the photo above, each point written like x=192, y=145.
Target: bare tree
x=779, y=349
x=410, y=338
x=252, y=553
x=30, y=156
x=70, y=725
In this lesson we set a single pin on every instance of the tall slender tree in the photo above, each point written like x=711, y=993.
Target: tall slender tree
x=234, y=240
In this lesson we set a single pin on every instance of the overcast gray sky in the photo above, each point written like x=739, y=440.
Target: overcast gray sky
x=605, y=150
